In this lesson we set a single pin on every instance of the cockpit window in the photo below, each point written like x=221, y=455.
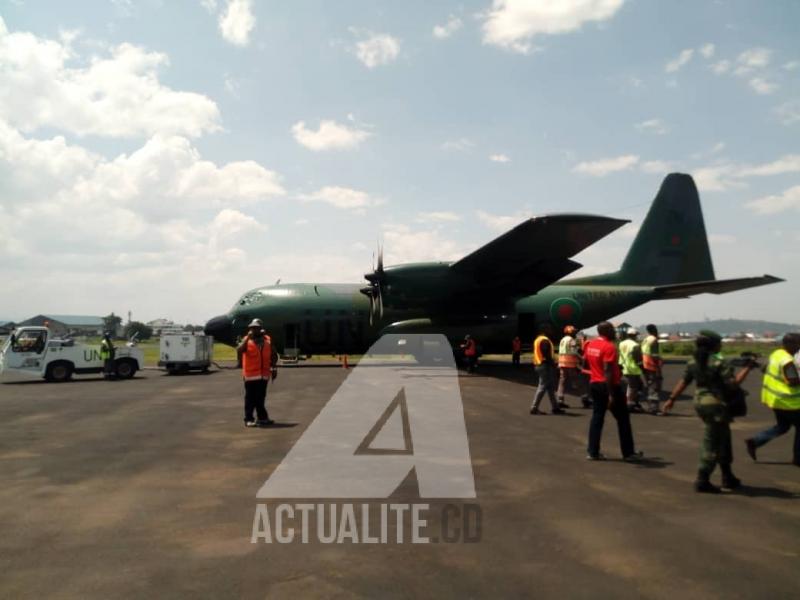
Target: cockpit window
x=251, y=298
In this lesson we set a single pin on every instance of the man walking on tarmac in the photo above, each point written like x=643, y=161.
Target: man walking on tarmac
x=604, y=384
x=569, y=358
x=630, y=358
x=107, y=354
x=781, y=392
x=470, y=348
x=259, y=360
x=544, y=360
x=651, y=364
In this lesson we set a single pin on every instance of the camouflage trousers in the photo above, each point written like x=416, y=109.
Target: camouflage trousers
x=716, y=448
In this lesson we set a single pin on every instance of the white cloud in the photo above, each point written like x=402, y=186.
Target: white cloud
x=405, y=245
x=679, y=61
x=717, y=178
x=439, y=216
x=442, y=32
x=237, y=22
x=343, y=197
x=330, y=135
x=209, y=5
x=788, y=200
x=113, y=96
x=752, y=59
x=726, y=176
x=230, y=223
x=655, y=126
x=512, y=24
x=459, y=145
x=500, y=222
x=376, y=49
x=604, y=166
x=707, y=50
x=656, y=167
x=792, y=65
x=785, y=164
x=762, y=86
x=499, y=158
x=721, y=67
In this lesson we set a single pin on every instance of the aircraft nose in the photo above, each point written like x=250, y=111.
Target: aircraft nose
x=221, y=328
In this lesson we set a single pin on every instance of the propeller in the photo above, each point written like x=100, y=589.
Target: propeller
x=374, y=291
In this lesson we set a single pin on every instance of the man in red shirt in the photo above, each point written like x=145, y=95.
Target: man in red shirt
x=601, y=357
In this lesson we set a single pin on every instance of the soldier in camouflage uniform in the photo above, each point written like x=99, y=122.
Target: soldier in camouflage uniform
x=714, y=377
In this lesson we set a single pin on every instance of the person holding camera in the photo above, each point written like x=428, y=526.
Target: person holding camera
x=781, y=392
x=716, y=386
x=259, y=366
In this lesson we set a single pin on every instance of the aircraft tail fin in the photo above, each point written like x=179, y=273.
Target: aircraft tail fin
x=672, y=245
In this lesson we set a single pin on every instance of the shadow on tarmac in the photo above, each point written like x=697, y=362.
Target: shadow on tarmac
x=754, y=491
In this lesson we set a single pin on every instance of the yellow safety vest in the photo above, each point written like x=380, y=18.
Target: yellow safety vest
x=538, y=357
x=626, y=359
x=650, y=359
x=776, y=391
x=568, y=353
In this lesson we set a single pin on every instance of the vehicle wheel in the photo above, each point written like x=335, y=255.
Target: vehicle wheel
x=126, y=368
x=59, y=372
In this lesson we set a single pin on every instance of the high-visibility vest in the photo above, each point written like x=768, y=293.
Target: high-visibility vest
x=538, y=356
x=568, y=353
x=650, y=360
x=516, y=345
x=105, y=350
x=626, y=358
x=257, y=361
x=776, y=391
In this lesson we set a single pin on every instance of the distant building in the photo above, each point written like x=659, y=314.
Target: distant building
x=6, y=327
x=164, y=327
x=68, y=324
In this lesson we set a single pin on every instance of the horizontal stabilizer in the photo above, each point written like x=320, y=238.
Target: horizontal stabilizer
x=715, y=286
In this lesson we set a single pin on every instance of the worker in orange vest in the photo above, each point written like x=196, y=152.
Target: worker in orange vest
x=259, y=366
x=470, y=349
x=544, y=359
x=569, y=367
x=516, y=348
x=651, y=367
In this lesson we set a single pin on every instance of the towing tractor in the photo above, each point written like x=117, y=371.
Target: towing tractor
x=33, y=353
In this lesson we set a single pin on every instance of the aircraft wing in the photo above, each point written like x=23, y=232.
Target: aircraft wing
x=534, y=254
x=714, y=286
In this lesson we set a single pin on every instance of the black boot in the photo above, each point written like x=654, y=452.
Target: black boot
x=729, y=480
x=703, y=485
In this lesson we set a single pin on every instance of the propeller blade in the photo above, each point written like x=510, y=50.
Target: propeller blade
x=380, y=304
x=380, y=258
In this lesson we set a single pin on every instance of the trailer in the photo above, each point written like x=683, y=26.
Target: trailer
x=181, y=353
x=34, y=353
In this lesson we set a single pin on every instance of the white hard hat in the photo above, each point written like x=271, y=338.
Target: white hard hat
x=632, y=331
x=255, y=323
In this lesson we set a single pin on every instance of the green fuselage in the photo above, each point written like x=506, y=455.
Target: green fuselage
x=335, y=318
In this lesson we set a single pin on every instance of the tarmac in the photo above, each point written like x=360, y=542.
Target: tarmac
x=147, y=489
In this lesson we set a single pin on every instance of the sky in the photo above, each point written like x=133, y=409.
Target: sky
x=163, y=157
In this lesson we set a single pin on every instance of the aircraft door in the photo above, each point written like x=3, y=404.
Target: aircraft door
x=291, y=339
x=526, y=326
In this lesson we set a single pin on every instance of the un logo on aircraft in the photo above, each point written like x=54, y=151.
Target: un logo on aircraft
x=564, y=311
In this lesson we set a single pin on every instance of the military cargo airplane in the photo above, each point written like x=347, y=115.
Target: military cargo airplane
x=505, y=288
